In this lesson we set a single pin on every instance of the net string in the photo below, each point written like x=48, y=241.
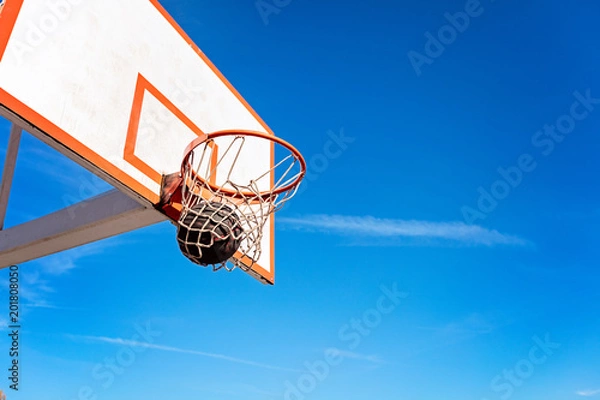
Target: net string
x=249, y=205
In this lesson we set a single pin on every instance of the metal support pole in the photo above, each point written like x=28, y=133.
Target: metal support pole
x=9, y=170
x=100, y=217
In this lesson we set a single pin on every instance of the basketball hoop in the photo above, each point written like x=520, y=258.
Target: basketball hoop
x=224, y=211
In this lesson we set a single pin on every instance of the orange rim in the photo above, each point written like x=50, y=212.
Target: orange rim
x=230, y=193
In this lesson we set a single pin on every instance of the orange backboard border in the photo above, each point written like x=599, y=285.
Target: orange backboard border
x=8, y=17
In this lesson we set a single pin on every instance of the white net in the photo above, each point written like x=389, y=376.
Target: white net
x=224, y=209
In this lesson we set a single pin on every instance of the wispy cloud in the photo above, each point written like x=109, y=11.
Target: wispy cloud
x=133, y=343
x=33, y=288
x=359, y=357
x=63, y=262
x=36, y=279
x=45, y=304
x=460, y=330
x=473, y=325
x=397, y=228
x=238, y=390
x=61, y=170
x=245, y=388
x=588, y=393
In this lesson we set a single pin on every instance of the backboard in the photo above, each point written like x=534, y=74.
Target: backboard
x=122, y=90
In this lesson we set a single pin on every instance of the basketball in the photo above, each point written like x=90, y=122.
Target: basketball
x=209, y=233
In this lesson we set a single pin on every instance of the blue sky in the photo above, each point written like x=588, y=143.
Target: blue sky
x=393, y=282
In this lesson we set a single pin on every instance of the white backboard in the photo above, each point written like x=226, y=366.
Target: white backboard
x=120, y=88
